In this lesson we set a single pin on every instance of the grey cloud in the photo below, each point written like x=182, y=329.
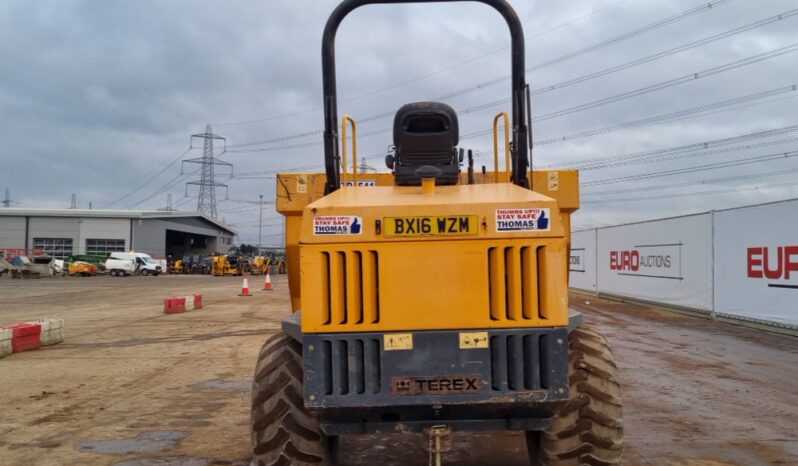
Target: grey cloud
x=96, y=96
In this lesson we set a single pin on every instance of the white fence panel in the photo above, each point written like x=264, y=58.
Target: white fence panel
x=756, y=262
x=582, y=264
x=666, y=261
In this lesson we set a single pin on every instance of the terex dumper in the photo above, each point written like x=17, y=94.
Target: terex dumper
x=431, y=300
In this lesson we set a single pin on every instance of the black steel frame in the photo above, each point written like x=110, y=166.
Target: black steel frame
x=520, y=143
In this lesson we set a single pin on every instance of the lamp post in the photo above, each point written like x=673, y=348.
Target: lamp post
x=260, y=223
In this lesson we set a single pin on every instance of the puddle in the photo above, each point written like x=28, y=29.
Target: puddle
x=147, y=442
x=225, y=384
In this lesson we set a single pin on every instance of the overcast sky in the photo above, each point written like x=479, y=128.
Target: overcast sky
x=99, y=98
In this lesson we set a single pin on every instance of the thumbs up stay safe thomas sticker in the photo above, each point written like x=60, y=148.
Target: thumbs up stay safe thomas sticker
x=337, y=225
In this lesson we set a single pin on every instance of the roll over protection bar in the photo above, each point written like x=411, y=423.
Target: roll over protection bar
x=520, y=146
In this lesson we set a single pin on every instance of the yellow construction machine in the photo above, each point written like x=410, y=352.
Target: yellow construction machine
x=177, y=267
x=259, y=265
x=224, y=265
x=431, y=300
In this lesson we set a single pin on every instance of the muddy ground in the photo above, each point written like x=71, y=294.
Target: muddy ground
x=132, y=386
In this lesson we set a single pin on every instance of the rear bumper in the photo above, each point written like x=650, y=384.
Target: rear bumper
x=515, y=379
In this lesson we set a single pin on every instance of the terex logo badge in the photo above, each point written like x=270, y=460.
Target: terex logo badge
x=773, y=264
x=436, y=385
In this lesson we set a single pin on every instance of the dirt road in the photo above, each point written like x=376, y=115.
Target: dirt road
x=131, y=386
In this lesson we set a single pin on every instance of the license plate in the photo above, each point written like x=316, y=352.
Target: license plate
x=445, y=225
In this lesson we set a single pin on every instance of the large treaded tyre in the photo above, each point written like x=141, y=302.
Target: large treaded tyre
x=283, y=432
x=588, y=429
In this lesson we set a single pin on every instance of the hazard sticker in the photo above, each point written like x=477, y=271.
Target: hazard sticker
x=508, y=220
x=554, y=181
x=301, y=184
x=398, y=341
x=337, y=225
x=361, y=183
x=473, y=340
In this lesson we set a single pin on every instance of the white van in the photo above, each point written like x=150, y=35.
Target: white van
x=126, y=263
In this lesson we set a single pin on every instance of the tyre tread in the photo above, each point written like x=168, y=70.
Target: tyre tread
x=283, y=432
x=588, y=429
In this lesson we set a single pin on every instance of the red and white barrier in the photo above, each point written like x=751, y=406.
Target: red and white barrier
x=174, y=305
x=6, y=336
x=52, y=331
x=25, y=336
x=180, y=304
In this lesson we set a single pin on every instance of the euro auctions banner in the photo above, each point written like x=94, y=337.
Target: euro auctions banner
x=582, y=263
x=756, y=262
x=667, y=261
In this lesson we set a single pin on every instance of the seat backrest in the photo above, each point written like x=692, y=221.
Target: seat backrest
x=425, y=133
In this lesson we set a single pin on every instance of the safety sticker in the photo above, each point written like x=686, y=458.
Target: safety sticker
x=473, y=340
x=554, y=181
x=522, y=220
x=301, y=184
x=398, y=341
x=337, y=225
x=362, y=183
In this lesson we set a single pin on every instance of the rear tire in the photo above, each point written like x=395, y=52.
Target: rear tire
x=283, y=432
x=588, y=429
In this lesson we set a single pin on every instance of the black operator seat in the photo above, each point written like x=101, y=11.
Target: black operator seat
x=425, y=133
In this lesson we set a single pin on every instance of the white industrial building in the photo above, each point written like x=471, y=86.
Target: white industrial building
x=63, y=232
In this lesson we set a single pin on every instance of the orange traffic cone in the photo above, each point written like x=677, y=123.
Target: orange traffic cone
x=245, y=286
x=267, y=285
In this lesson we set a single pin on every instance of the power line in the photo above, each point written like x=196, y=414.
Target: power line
x=169, y=185
x=717, y=107
x=426, y=75
x=694, y=194
x=600, y=45
x=150, y=179
x=671, y=82
x=542, y=90
x=658, y=154
x=691, y=183
x=589, y=105
x=699, y=168
x=667, y=117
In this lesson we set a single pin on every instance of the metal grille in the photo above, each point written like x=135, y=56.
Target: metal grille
x=350, y=287
x=351, y=366
x=515, y=278
x=519, y=362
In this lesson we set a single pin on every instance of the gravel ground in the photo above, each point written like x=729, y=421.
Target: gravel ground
x=132, y=386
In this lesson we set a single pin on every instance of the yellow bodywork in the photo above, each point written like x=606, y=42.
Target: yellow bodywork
x=80, y=268
x=221, y=267
x=466, y=277
x=259, y=264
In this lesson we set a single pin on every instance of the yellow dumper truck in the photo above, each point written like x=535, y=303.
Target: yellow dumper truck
x=432, y=300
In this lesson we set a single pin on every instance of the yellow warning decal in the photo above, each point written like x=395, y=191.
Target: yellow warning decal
x=301, y=184
x=449, y=225
x=473, y=340
x=398, y=341
x=554, y=181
